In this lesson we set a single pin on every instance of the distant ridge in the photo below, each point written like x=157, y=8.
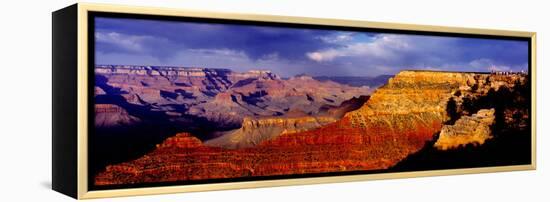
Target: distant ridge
x=357, y=80
x=153, y=67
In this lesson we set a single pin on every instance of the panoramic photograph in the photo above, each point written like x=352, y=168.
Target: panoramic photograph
x=190, y=101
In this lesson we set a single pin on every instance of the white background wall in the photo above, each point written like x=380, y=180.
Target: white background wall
x=25, y=104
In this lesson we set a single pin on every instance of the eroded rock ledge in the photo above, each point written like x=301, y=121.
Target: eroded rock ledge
x=475, y=129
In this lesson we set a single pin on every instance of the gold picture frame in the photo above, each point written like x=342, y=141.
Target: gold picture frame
x=75, y=19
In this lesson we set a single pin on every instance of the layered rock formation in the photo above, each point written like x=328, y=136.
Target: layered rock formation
x=108, y=115
x=397, y=121
x=219, y=96
x=475, y=129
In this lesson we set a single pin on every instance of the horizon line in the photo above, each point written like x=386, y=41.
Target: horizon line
x=268, y=70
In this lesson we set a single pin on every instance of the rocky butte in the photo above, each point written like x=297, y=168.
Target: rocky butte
x=399, y=119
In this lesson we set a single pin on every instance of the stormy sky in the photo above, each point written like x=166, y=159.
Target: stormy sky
x=292, y=51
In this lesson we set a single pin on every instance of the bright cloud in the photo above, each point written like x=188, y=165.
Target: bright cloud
x=219, y=52
x=383, y=46
x=123, y=41
x=337, y=38
x=488, y=65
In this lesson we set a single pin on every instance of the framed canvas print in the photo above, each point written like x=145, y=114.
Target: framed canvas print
x=151, y=100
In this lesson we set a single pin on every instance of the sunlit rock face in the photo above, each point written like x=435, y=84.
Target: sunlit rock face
x=399, y=119
x=475, y=129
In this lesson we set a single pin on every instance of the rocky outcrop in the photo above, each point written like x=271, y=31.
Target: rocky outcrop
x=108, y=115
x=475, y=129
x=482, y=85
x=181, y=140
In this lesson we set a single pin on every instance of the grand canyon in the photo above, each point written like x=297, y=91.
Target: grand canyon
x=156, y=124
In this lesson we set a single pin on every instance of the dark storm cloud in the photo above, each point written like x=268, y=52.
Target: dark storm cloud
x=291, y=51
x=255, y=41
